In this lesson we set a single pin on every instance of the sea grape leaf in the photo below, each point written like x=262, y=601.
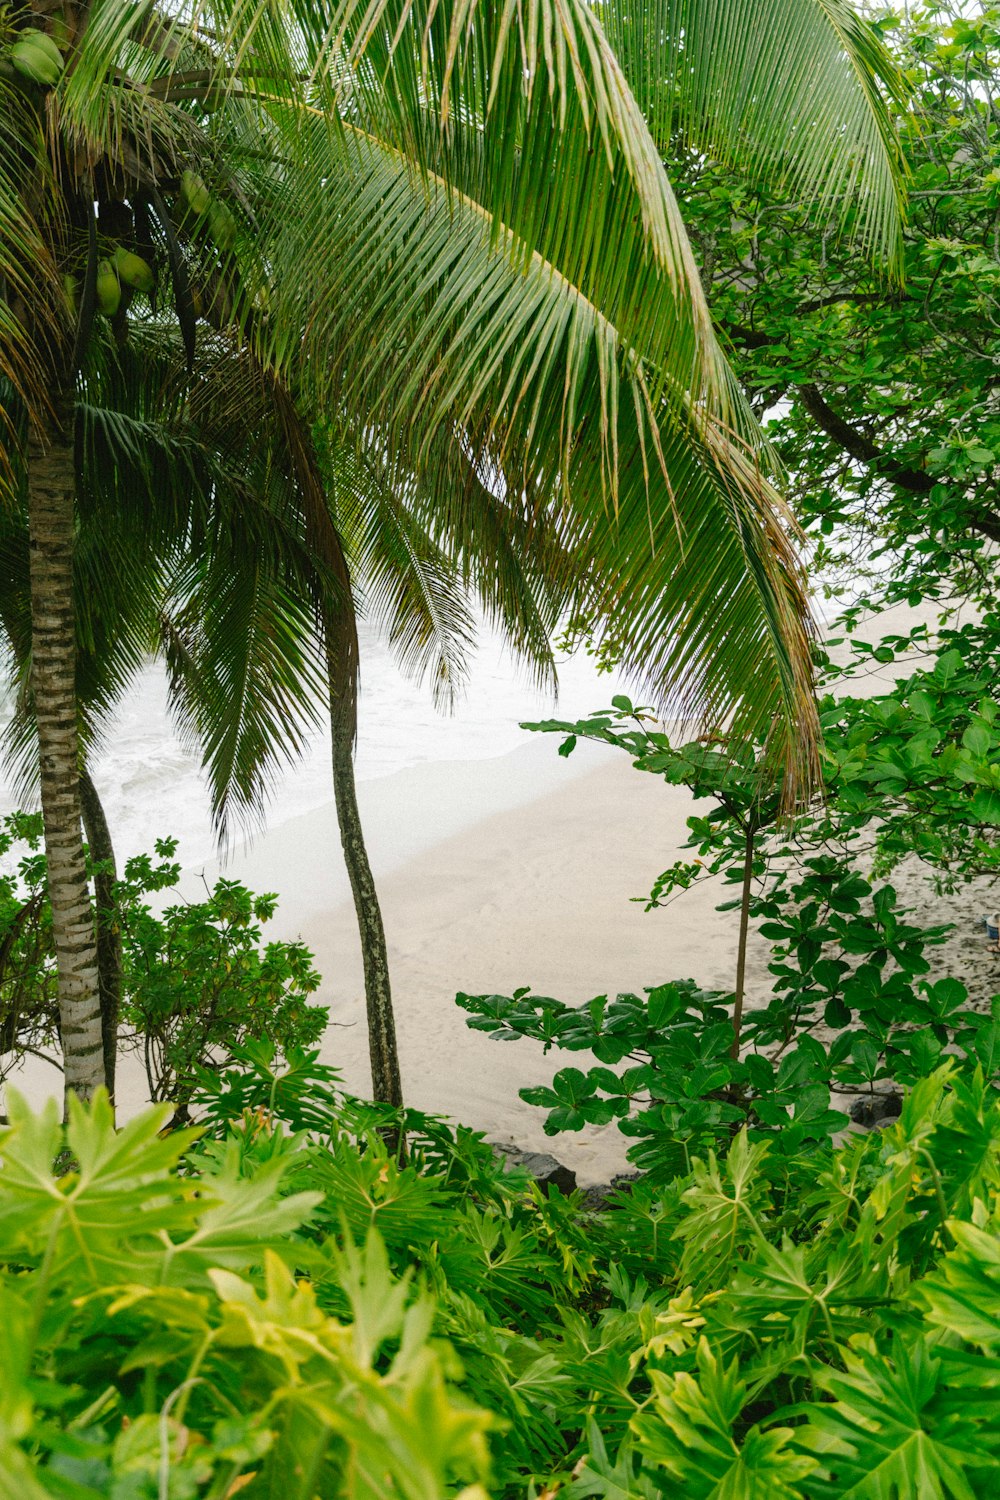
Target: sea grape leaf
x=985, y=807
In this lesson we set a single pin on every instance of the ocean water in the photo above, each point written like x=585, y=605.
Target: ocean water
x=152, y=785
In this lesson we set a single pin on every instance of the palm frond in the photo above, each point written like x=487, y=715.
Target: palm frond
x=513, y=556
x=32, y=308
x=404, y=582
x=451, y=223
x=432, y=331
x=239, y=646
x=492, y=253
x=796, y=90
x=527, y=115
x=242, y=617
x=192, y=542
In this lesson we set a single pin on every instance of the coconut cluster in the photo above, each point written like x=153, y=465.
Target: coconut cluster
x=36, y=57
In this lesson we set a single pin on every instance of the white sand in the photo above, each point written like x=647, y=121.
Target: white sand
x=536, y=892
x=519, y=871
x=514, y=871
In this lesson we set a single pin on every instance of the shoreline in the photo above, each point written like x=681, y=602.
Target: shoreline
x=505, y=900
x=518, y=870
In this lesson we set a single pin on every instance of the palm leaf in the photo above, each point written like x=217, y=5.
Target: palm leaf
x=440, y=334
x=239, y=645
x=191, y=543
x=444, y=283
x=32, y=309
x=454, y=225
x=794, y=89
x=404, y=582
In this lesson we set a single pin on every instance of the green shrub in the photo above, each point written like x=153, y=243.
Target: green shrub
x=194, y=1319
x=157, y=1343
x=28, y=1010
x=197, y=978
x=680, y=1068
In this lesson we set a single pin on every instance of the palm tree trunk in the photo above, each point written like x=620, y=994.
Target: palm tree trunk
x=340, y=633
x=106, y=923
x=741, y=950
x=51, y=515
x=387, y=1085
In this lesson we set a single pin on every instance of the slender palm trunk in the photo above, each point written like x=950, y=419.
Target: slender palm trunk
x=341, y=638
x=387, y=1085
x=741, y=951
x=51, y=493
x=106, y=923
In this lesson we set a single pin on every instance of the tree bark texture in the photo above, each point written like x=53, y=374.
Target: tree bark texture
x=51, y=514
x=341, y=641
x=107, y=926
x=387, y=1085
x=741, y=950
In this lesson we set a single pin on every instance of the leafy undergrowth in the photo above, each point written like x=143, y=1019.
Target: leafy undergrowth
x=270, y=1310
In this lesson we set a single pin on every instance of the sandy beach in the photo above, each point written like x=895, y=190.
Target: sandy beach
x=493, y=873
x=517, y=869
x=538, y=893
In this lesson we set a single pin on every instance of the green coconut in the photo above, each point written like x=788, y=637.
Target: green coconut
x=133, y=270
x=36, y=57
x=194, y=192
x=108, y=288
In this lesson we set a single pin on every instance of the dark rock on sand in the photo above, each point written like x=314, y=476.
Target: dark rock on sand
x=546, y=1171
x=872, y=1110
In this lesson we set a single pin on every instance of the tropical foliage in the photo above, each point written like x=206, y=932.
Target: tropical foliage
x=851, y=1006
x=196, y=1320
x=272, y=1385
x=213, y=163
x=309, y=310
x=911, y=774
x=879, y=396
x=196, y=982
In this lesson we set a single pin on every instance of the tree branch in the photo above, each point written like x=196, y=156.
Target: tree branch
x=860, y=446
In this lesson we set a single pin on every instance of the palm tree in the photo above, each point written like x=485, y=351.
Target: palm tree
x=395, y=545
x=414, y=564
x=192, y=543
x=447, y=223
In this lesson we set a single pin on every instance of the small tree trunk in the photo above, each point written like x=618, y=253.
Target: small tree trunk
x=51, y=515
x=387, y=1085
x=741, y=952
x=341, y=641
x=107, y=926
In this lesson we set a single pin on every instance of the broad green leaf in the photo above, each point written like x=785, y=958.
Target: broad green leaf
x=621, y=1480
x=88, y=1215
x=687, y=1434
x=984, y=807
x=890, y=1429
x=963, y=1294
x=722, y=1212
